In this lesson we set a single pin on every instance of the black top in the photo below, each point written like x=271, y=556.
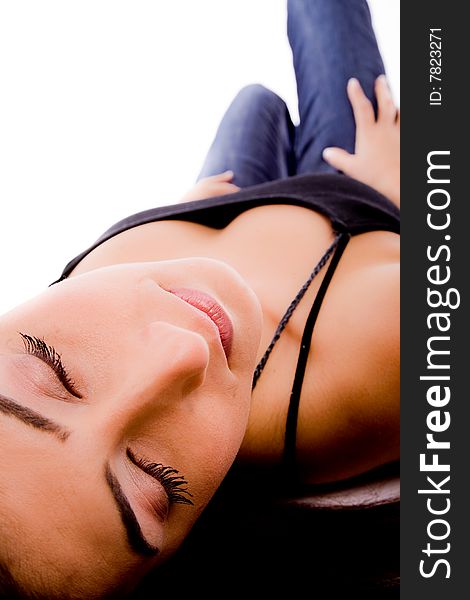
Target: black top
x=351, y=206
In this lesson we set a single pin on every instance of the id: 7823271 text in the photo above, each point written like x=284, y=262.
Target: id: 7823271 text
x=435, y=67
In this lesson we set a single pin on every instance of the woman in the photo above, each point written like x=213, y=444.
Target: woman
x=127, y=387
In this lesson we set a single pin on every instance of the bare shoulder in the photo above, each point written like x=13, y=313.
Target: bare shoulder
x=349, y=409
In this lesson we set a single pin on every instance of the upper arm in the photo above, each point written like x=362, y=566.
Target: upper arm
x=349, y=409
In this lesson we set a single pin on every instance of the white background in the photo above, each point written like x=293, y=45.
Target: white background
x=107, y=107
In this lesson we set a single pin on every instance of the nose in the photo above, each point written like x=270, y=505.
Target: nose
x=173, y=360
x=166, y=364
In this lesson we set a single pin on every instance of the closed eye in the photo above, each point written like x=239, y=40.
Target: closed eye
x=35, y=346
x=174, y=484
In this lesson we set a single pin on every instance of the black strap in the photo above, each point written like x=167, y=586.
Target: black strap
x=292, y=306
x=293, y=411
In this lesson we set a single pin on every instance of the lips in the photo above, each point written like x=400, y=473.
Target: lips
x=213, y=310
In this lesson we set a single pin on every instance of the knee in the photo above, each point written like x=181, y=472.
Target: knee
x=258, y=94
x=255, y=90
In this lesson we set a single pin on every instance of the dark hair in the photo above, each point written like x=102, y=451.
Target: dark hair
x=10, y=589
x=8, y=586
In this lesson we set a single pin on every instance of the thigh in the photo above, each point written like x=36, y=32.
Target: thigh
x=254, y=139
x=331, y=40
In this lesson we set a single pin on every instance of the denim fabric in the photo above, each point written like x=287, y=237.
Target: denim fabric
x=331, y=41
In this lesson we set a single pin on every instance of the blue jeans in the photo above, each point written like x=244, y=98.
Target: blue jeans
x=331, y=41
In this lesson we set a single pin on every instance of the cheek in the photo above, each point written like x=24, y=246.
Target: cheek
x=217, y=440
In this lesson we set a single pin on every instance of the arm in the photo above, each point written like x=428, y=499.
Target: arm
x=376, y=160
x=349, y=420
x=216, y=185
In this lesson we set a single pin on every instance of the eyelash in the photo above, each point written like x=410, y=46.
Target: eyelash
x=48, y=354
x=175, y=485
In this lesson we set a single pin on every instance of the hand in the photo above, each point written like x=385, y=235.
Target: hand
x=376, y=160
x=216, y=185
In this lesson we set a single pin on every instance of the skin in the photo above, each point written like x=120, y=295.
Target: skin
x=153, y=377
x=156, y=381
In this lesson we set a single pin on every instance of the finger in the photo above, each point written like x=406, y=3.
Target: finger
x=225, y=176
x=387, y=110
x=338, y=158
x=361, y=105
x=228, y=188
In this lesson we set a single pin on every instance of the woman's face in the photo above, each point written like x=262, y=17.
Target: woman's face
x=110, y=451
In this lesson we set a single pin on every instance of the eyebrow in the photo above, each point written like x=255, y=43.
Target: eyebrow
x=9, y=407
x=135, y=537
